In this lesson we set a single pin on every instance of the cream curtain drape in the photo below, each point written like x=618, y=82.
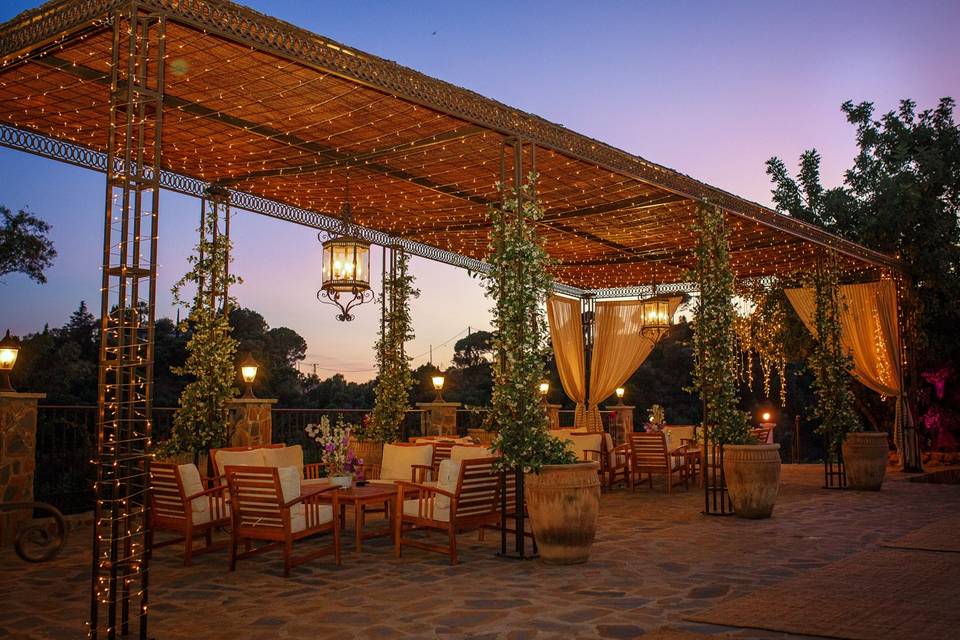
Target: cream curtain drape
x=870, y=332
x=618, y=350
x=566, y=334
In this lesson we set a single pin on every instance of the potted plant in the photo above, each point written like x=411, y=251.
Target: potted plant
x=751, y=471
x=561, y=495
x=335, y=452
x=864, y=453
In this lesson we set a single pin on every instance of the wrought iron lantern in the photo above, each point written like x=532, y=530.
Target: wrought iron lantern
x=655, y=314
x=9, y=350
x=248, y=371
x=438, y=381
x=345, y=281
x=544, y=388
x=620, y=391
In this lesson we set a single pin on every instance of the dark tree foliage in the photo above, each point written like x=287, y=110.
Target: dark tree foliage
x=276, y=350
x=902, y=197
x=24, y=246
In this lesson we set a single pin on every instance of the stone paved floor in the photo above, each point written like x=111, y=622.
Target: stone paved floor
x=655, y=561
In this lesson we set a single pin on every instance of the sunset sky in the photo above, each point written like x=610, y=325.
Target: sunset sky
x=710, y=89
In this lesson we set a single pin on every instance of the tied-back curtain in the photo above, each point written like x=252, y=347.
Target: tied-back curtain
x=870, y=333
x=566, y=334
x=619, y=349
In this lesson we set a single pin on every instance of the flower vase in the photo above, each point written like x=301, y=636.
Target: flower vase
x=342, y=481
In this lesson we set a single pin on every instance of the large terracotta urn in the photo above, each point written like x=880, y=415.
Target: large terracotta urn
x=564, y=504
x=752, y=473
x=865, y=460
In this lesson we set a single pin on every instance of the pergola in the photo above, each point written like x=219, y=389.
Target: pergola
x=185, y=95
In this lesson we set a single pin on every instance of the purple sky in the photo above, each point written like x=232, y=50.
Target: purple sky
x=710, y=89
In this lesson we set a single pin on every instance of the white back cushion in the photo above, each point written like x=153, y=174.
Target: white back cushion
x=399, y=459
x=284, y=457
x=461, y=452
x=449, y=476
x=590, y=441
x=251, y=458
x=290, y=489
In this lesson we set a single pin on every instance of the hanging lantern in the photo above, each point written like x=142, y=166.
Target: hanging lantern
x=655, y=314
x=345, y=279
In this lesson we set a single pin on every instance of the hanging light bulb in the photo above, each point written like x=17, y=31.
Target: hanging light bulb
x=345, y=278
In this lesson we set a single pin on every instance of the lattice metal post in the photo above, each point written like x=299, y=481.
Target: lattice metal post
x=121, y=538
x=215, y=222
x=513, y=506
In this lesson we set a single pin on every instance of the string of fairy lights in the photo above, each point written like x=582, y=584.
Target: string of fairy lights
x=277, y=100
x=285, y=131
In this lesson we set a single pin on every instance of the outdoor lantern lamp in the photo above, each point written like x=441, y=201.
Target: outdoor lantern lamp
x=345, y=281
x=248, y=371
x=655, y=315
x=620, y=391
x=438, y=386
x=544, y=388
x=9, y=350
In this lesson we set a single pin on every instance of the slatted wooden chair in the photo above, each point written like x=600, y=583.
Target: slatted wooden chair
x=180, y=503
x=471, y=502
x=649, y=455
x=267, y=505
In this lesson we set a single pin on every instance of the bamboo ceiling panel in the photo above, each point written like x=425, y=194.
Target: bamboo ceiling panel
x=268, y=109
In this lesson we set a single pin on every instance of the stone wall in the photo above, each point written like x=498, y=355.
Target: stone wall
x=251, y=421
x=18, y=439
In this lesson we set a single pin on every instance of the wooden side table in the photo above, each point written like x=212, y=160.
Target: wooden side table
x=379, y=495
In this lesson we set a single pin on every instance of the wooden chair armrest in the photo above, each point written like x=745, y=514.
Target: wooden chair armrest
x=425, y=470
x=212, y=491
x=311, y=494
x=403, y=486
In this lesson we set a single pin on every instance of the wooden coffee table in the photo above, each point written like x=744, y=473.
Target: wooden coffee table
x=379, y=495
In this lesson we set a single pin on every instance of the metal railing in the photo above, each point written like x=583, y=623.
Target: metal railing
x=67, y=435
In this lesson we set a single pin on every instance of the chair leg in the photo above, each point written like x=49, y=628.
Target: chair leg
x=452, y=535
x=287, y=556
x=336, y=544
x=233, y=551
x=669, y=480
x=208, y=537
x=480, y=535
x=188, y=548
x=397, y=532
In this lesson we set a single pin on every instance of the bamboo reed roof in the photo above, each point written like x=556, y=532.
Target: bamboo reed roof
x=271, y=110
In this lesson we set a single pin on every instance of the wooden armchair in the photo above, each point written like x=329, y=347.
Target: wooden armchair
x=762, y=434
x=649, y=455
x=181, y=503
x=267, y=504
x=470, y=501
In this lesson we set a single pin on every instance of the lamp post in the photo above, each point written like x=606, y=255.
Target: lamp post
x=248, y=371
x=438, y=386
x=9, y=350
x=544, y=389
x=620, y=391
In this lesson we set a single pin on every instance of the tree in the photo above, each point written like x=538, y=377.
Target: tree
x=473, y=350
x=24, y=246
x=901, y=197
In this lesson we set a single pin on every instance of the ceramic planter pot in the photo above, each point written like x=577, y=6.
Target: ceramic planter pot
x=564, y=504
x=344, y=482
x=865, y=460
x=752, y=472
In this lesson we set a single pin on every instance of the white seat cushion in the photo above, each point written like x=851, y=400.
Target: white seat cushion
x=608, y=447
x=412, y=508
x=284, y=457
x=398, y=460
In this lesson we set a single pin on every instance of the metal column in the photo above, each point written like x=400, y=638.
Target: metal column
x=121, y=534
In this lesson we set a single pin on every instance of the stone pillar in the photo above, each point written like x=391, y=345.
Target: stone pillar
x=553, y=415
x=441, y=418
x=18, y=457
x=251, y=421
x=623, y=423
